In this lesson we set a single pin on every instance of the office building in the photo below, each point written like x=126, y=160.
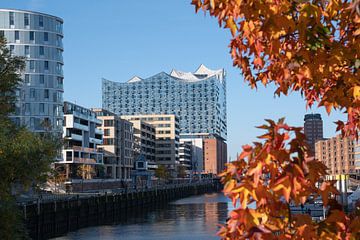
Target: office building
x=337, y=153
x=82, y=135
x=117, y=146
x=166, y=137
x=144, y=143
x=38, y=38
x=198, y=99
x=313, y=129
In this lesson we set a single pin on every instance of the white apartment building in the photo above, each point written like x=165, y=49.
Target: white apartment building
x=81, y=134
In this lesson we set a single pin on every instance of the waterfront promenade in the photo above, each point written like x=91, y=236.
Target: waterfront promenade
x=55, y=215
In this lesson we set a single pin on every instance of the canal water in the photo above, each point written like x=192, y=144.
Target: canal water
x=188, y=218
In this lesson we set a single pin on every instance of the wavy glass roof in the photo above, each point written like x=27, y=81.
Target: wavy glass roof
x=201, y=73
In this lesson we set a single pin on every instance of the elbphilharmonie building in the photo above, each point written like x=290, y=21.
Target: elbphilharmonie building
x=197, y=98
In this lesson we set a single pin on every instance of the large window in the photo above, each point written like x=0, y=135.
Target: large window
x=11, y=18
x=46, y=36
x=26, y=19
x=106, y=132
x=17, y=35
x=41, y=21
x=41, y=50
x=108, y=123
x=32, y=36
x=41, y=79
x=27, y=50
x=32, y=64
x=46, y=65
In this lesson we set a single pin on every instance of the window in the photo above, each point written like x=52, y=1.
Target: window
x=27, y=50
x=46, y=65
x=41, y=50
x=32, y=92
x=27, y=107
x=32, y=36
x=2, y=33
x=12, y=48
x=108, y=141
x=46, y=36
x=60, y=81
x=27, y=78
x=42, y=108
x=42, y=79
x=17, y=36
x=11, y=18
x=58, y=67
x=108, y=123
x=106, y=132
x=26, y=19
x=32, y=64
x=46, y=93
x=41, y=21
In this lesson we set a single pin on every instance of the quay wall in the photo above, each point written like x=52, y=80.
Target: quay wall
x=56, y=217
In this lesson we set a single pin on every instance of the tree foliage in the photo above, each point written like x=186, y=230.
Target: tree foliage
x=273, y=174
x=308, y=46
x=162, y=172
x=24, y=157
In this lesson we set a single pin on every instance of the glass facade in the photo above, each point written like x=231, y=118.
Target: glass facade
x=198, y=99
x=38, y=38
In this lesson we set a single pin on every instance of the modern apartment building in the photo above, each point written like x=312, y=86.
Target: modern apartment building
x=166, y=137
x=313, y=129
x=185, y=150
x=198, y=99
x=337, y=153
x=144, y=142
x=38, y=38
x=82, y=135
x=117, y=146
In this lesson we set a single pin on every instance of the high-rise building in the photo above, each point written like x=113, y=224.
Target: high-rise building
x=198, y=99
x=313, y=129
x=81, y=133
x=337, y=153
x=117, y=146
x=166, y=137
x=38, y=38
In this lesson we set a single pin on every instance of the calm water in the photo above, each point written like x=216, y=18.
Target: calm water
x=189, y=218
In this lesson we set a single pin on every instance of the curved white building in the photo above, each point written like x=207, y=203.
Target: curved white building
x=198, y=99
x=38, y=38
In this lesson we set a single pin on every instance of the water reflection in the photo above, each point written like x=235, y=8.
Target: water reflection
x=190, y=218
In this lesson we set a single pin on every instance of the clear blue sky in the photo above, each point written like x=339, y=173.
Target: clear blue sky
x=118, y=39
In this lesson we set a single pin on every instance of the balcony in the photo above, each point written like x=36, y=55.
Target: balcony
x=84, y=149
x=99, y=131
x=85, y=160
x=95, y=140
x=81, y=127
x=76, y=137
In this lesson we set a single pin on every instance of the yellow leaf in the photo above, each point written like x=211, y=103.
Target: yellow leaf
x=232, y=25
x=356, y=92
x=288, y=55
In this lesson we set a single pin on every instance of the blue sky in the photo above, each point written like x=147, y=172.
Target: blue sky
x=118, y=39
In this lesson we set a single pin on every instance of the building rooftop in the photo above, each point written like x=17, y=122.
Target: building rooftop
x=31, y=12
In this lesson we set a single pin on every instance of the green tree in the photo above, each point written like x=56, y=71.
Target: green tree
x=162, y=172
x=181, y=171
x=24, y=157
